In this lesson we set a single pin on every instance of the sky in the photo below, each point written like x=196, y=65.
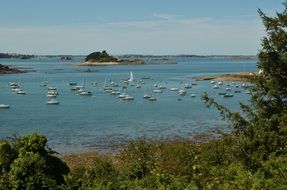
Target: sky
x=156, y=27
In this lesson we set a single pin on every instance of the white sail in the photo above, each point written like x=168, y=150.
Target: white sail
x=131, y=79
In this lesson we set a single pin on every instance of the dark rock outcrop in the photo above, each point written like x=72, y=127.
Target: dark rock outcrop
x=4, y=69
x=100, y=57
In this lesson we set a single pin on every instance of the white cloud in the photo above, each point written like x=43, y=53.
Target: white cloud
x=166, y=16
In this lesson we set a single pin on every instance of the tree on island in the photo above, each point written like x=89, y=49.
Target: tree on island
x=262, y=129
x=100, y=57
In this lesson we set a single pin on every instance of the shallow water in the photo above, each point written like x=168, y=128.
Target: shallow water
x=95, y=123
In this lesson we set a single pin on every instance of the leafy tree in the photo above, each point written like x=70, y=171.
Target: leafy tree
x=262, y=130
x=27, y=163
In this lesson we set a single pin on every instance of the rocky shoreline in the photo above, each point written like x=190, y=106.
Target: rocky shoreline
x=4, y=69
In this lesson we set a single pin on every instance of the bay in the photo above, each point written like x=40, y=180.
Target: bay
x=98, y=122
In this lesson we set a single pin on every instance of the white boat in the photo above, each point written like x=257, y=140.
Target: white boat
x=193, y=95
x=212, y=82
x=52, y=102
x=161, y=87
x=107, y=88
x=85, y=93
x=182, y=92
x=146, y=96
x=13, y=83
x=4, y=106
x=157, y=91
x=174, y=89
x=220, y=83
x=187, y=86
x=52, y=88
x=138, y=86
x=113, y=84
x=128, y=97
x=227, y=96
x=247, y=92
x=115, y=92
x=51, y=95
x=16, y=89
x=122, y=95
x=78, y=87
x=215, y=86
x=228, y=89
x=152, y=98
x=21, y=92
x=81, y=90
x=52, y=92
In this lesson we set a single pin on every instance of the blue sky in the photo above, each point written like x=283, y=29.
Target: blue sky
x=201, y=27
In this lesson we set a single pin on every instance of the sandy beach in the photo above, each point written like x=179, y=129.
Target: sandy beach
x=88, y=63
x=227, y=77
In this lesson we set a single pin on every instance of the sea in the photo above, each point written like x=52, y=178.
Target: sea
x=103, y=121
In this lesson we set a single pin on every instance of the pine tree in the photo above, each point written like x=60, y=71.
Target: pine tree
x=262, y=130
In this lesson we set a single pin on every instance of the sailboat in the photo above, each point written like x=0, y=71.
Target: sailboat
x=152, y=98
x=146, y=96
x=52, y=102
x=83, y=91
x=131, y=79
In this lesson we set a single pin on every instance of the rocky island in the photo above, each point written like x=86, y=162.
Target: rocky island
x=103, y=58
x=4, y=69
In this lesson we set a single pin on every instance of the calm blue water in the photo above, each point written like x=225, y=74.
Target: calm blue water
x=95, y=123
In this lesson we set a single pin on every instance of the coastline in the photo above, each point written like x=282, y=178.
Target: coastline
x=89, y=63
x=124, y=62
x=243, y=76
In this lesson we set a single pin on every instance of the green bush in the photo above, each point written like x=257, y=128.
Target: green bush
x=138, y=159
x=27, y=163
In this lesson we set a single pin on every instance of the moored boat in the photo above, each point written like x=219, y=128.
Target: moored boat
x=227, y=96
x=157, y=91
x=21, y=92
x=173, y=89
x=4, y=106
x=52, y=102
x=152, y=98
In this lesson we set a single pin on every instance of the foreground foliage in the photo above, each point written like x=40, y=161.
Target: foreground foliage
x=27, y=163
